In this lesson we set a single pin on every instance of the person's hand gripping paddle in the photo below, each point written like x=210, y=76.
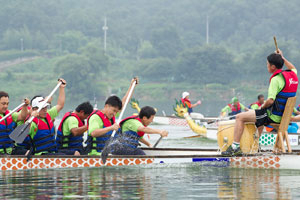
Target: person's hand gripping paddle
x=107, y=149
x=20, y=133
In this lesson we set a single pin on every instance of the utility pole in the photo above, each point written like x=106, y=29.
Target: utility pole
x=207, y=30
x=22, y=44
x=105, y=30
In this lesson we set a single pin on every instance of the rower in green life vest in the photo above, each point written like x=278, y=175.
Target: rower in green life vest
x=260, y=101
x=132, y=132
x=72, y=127
x=233, y=108
x=102, y=123
x=9, y=124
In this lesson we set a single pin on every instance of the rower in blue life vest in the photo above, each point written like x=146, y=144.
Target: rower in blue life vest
x=132, y=132
x=187, y=103
x=42, y=131
x=72, y=127
x=9, y=124
x=283, y=84
x=233, y=108
x=102, y=123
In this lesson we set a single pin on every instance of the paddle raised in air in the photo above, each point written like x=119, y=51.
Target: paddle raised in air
x=20, y=133
x=11, y=112
x=107, y=149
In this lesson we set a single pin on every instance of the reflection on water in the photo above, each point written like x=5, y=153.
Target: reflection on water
x=151, y=182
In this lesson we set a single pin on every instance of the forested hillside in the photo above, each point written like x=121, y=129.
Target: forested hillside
x=164, y=42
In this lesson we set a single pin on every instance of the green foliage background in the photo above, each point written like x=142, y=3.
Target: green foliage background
x=162, y=42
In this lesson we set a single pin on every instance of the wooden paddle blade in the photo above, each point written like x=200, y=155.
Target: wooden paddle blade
x=20, y=133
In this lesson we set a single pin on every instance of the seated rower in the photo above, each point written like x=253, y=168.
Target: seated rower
x=132, y=131
x=22, y=148
x=187, y=103
x=9, y=124
x=71, y=128
x=42, y=133
x=101, y=123
x=260, y=101
x=283, y=84
x=233, y=108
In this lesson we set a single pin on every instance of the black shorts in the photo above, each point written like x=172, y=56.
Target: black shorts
x=262, y=118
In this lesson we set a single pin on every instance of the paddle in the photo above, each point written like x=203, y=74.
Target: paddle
x=158, y=141
x=106, y=150
x=11, y=112
x=224, y=118
x=20, y=133
x=276, y=44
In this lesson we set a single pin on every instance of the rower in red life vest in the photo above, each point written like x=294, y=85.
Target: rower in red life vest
x=260, y=101
x=187, y=103
x=9, y=124
x=22, y=148
x=72, y=127
x=132, y=131
x=42, y=131
x=283, y=84
x=101, y=123
x=233, y=108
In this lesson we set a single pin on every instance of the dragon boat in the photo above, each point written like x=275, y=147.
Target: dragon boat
x=157, y=156
x=178, y=118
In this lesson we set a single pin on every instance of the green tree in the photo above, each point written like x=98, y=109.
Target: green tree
x=84, y=72
x=158, y=69
x=206, y=64
x=166, y=41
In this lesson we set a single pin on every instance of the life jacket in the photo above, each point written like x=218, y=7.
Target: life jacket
x=44, y=139
x=69, y=141
x=98, y=143
x=187, y=103
x=235, y=110
x=289, y=90
x=6, y=127
x=130, y=138
x=257, y=103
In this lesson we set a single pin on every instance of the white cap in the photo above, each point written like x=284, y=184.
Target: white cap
x=38, y=102
x=185, y=94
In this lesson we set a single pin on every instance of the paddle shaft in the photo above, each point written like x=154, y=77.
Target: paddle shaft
x=124, y=107
x=11, y=112
x=45, y=101
x=276, y=46
x=158, y=141
x=225, y=118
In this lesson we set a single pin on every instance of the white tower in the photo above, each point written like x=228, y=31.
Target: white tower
x=105, y=30
x=207, y=30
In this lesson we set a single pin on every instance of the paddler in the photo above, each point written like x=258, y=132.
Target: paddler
x=42, y=131
x=9, y=124
x=132, y=131
x=187, y=103
x=71, y=128
x=101, y=123
x=260, y=101
x=233, y=108
x=22, y=148
x=283, y=84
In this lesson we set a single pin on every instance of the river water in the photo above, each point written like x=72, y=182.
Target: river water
x=157, y=181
